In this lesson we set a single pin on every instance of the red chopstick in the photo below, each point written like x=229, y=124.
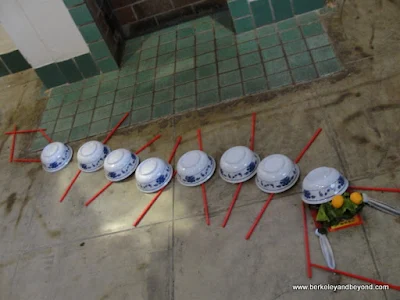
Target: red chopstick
x=115, y=128
x=24, y=131
x=362, y=278
x=239, y=187
x=378, y=189
x=70, y=185
x=46, y=136
x=148, y=144
x=147, y=208
x=13, y=144
x=203, y=186
x=98, y=193
x=264, y=208
x=306, y=242
x=27, y=160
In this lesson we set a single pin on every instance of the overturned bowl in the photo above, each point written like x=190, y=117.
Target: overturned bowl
x=276, y=173
x=91, y=156
x=55, y=156
x=238, y=164
x=195, y=168
x=152, y=175
x=321, y=184
x=120, y=164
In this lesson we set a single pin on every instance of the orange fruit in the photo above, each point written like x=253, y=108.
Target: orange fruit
x=356, y=198
x=337, y=201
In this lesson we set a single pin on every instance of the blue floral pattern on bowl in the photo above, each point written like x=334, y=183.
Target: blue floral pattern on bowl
x=201, y=177
x=324, y=195
x=158, y=183
x=126, y=171
x=245, y=174
x=97, y=164
x=281, y=184
x=61, y=162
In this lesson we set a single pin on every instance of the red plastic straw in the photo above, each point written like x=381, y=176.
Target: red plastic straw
x=46, y=136
x=235, y=196
x=13, y=145
x=378, y=189
x=24, y=131
x=362, y=278
x=115, y=128
x=306, y=242
x=98, y=193
x=203, y=186
x=148, y=143
x=27, y=160
x=260, y=214
x=70, y=186
x=253, y=130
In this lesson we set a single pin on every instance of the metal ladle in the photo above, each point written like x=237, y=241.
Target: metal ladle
x=326, y=247
x=380, y=206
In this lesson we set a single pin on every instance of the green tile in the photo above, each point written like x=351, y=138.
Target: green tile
x=79, y=132
x=245, y=37
x=266, y=30
x=108, y=86
x=239, y=8
x=226, y=41
x=64, y=124
x=185, y=25
x=287, y=24
x=166, y=59
x=299, y=60
x=184, y=104
x=107, y=65
x=230, y=78
x=252, y=72
x=295, y=47
x=185, y=32
x=184, y=43
x=232, y=92
x=328, y=67
x=143, y=101
x=90, y=92
x=269, y=41
x=54, y=101
x=72, y=97
x=222, y=31
x=126, y=81
x=324, y=53
x=145, y=76
x=183, y=65
x=165, y=70
x=312, y=29
x=261, y=12
x=255, y=85
x=38, y=144
x=204, y=26
x=163, y=109
x=83, y=118
x=51, y=75
x=68, y=110
x=205, y=59
x=272, y=53
x=244, y=24
x=185, y=53
x=164, y=95
x=115, y=119
x=86, y=104
x=71, y=3
x=167, y=48
x=250, y=59
x=99, y=49
x=227, y=53
x=131, y=59
x=4, y=71
x=207, y=84
x=133, y=45
x=168, y=37
x=87, y=66
x=282, y=9
x=317, y=41
x=150, y=42
x=144, y=88
x=185, y=90
x=123, y=94
x=105, y=99
x=204, y=37
x=307, y=18
x=204, y=48
x=49, y=126
x=247, y=47
x=301, y=6
x=90, y=33
x=185, y=76
x=99, y=127
x=304, y=74
x=70, y=70
x=279, y=80
x=141, y=115
x=81, y=14
x=76, y=86
x=50, y=115
x=147, y=64
x=61, y=136
x=206, y=71
x=164, y=82
x=15, y=62
x=148, y=53
x=290, y=35
x=102, y=112
x=122, y=107
x=276, y=66
x=228, y=65
x=207, y=98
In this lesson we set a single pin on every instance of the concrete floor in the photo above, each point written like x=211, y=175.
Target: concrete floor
x=66, y=251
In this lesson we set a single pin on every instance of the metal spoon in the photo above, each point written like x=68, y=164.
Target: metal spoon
x=326, y=247
x=380, y=206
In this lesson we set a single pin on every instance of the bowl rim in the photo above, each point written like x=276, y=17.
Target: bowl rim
x=163, y=166
x=327, y=199
x=243, y=179
x=137, y=161
x=202, y=154
x=94, y=169
x=119, y=169
x=288, y=187
x=166, y=182
x=214, y=167
x=89, y=159
x=57, y=154
x=259, y=171
x=66, y=162
x=325, y=185
x=222, y=163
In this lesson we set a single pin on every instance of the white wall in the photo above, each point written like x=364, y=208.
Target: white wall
x=42, y=30
x=6, y=44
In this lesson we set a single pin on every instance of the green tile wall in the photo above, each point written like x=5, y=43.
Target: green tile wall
x=12, y=62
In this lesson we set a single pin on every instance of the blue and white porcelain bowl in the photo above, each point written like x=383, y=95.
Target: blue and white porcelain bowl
x=152, y=175
x=55, y=156
x=91, y=156
x=120, y=164
x=195, y=168
x=321, y=184
x=238, y=164
x=276, y=173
